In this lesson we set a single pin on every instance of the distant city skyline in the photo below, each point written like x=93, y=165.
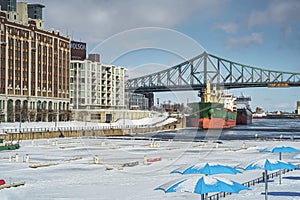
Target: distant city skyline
x=264, y=34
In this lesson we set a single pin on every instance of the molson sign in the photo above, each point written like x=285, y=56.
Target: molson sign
x=78, y=50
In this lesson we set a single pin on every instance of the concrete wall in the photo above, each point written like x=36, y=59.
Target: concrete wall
x=87, y=133
x=83, y=133
x=85, y=115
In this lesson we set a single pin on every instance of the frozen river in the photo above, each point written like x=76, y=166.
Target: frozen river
x=72, y=173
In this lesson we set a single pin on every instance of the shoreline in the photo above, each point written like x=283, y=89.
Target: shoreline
x=61, y=132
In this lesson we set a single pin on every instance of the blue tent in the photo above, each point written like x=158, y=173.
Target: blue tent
x=265, y=150
x=202, y=185
x=266, y=165
x=207, y=169
x=283, y=149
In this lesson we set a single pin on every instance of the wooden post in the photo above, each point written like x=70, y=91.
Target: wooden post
x=96, y=159
x=145, y=160
x=27, y=158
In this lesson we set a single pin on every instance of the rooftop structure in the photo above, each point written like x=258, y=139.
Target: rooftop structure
x=35, y=11
x=23, y=13
x=8, y=5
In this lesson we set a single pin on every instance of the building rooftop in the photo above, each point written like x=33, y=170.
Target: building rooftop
x=36, y=5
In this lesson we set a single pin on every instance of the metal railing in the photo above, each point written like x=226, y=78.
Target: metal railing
x=81, y=128
x=107, y=126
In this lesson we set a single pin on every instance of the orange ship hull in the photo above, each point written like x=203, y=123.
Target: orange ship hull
x=214, y=123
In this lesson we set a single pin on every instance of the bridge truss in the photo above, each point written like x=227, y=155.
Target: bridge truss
x=192, y=75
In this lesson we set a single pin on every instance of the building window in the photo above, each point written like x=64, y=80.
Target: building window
x=95, y=116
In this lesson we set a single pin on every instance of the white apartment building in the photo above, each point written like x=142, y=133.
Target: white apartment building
x=95, y=86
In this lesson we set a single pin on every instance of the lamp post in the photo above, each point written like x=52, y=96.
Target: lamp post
x=56, y=118
x=55, y=123
x=85, y=122
x=20, y=121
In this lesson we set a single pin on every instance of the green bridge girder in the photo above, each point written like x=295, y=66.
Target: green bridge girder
x=192, y=75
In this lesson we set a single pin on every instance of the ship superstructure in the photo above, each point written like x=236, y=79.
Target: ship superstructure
x=244, y=113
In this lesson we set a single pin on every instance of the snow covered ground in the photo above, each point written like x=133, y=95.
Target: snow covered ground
x=155, y=119
x=74, y=175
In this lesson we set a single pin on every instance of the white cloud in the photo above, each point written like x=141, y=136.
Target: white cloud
x=244, y=41
x=227, y=28
x=286, y=32
x=278, y=11
x=161, y=39
x=95, y=20
x=145, y=69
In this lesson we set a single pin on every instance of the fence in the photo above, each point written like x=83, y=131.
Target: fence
x=54, y=127
x=249, y=183
x=72, y=128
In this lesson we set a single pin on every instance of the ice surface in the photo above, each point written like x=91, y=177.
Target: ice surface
x=75, y=176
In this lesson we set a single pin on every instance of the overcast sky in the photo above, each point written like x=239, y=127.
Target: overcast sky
x=259, y=33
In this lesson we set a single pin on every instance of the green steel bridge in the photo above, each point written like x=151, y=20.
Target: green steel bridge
x=193, y=74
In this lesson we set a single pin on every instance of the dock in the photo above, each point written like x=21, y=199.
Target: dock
x=283, y=116
x=12, y=185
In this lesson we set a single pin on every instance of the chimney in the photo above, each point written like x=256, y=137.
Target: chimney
x=94, y=57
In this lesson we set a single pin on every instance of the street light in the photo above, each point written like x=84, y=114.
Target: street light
x=20, y=120
x=56, y=118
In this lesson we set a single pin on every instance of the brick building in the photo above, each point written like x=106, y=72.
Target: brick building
x=35, y=67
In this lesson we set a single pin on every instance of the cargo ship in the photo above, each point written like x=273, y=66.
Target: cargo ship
x=244, y=113
x=259, y=114
x=215, y=111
